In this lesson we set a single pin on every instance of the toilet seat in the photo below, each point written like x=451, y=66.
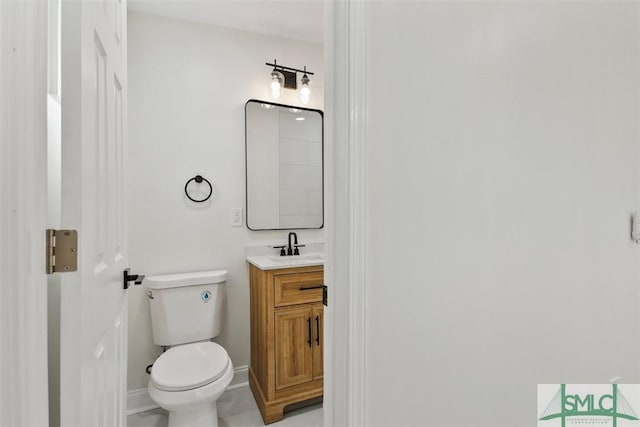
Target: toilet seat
x=189, y=366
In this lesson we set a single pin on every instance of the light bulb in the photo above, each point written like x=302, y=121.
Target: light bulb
x=305, y=90
x=275, y=89
x=276, y=84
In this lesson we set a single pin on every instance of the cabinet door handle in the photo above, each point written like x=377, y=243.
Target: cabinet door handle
x=302, y=288
x=309, y=324
x=318, y=330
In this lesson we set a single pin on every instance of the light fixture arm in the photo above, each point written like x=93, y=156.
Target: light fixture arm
x=277, y=67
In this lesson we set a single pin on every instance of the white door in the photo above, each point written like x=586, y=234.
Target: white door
x=23, y=213
x=93, y=349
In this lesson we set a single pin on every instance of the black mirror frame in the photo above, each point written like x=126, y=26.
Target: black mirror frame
x=246, y=165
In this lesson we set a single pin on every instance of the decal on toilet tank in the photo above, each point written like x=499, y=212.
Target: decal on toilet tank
x=206, y=296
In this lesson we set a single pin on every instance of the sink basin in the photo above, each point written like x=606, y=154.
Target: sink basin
x=297, y=258
x=271, y=262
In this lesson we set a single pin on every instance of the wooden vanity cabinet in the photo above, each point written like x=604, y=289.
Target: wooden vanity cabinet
x=286, y=337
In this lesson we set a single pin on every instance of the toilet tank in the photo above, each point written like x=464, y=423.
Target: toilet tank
x=186, y=307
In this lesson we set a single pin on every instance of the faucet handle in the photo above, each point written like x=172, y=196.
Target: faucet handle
x=282, y=252
x=296, y=251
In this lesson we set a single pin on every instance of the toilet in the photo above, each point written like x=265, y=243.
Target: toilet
x=188, y=378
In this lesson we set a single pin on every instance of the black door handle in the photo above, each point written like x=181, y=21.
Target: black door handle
x=135, y=278
x=318, y=330
x=309, y=324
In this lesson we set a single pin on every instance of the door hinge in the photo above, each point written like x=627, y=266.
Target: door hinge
x=62, y=251
x=324, y=295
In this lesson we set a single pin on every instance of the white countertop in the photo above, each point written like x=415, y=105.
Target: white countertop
x=272, y=262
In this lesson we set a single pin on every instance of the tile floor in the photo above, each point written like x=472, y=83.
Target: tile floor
x=237, y=408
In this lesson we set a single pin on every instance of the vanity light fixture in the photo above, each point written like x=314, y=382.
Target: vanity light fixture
x=287, y=77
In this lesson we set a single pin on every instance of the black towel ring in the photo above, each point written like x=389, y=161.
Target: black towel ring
x=198, y=179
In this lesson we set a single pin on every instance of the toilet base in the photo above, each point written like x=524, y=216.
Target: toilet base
x=194, y=407
x=204, y=414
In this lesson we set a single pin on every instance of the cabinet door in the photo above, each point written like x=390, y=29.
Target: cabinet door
x=294, y=346
x=318, y=341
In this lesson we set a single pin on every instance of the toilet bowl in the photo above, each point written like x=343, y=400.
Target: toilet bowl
x=192, y=374
x=188, y=380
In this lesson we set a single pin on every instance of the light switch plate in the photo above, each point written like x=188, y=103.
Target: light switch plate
x=236, y=217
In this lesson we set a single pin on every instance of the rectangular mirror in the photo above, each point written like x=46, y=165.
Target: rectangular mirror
x=284, y=166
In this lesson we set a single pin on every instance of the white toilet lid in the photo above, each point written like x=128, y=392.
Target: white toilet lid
x=189, y=366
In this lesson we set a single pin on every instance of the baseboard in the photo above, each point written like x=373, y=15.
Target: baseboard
x=140, y=401
x=240, y=378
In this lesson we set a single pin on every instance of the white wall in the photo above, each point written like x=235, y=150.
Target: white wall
x=502, y=164
x=188, y=84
